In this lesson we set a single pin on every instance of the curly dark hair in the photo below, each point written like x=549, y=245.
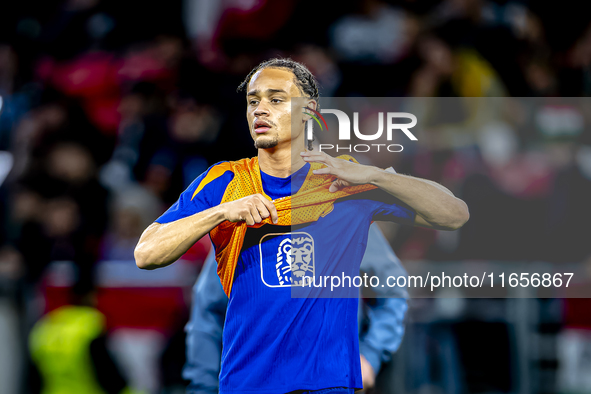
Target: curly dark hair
x=303, y=77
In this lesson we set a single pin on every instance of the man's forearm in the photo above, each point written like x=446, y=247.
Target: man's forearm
x=162, y=244
x=436, y=205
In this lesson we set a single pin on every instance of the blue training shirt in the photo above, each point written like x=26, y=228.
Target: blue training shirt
x=275, y=343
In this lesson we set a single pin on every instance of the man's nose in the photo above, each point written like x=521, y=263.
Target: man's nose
x=262, y=109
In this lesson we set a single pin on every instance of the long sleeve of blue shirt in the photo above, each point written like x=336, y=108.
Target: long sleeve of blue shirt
x=382, y=337
x=384, y=316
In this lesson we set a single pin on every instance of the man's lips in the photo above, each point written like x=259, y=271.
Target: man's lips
x=261, y=127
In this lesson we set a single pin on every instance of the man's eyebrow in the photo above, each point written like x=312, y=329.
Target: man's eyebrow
x=269, y=91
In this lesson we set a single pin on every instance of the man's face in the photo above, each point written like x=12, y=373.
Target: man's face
x=269, y=100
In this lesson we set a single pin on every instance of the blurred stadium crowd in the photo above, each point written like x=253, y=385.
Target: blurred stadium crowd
x=110, y=109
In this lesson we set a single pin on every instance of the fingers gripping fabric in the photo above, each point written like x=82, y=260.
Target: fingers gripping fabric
x=307, y=205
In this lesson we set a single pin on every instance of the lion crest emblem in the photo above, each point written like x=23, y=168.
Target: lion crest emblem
x=295, y=259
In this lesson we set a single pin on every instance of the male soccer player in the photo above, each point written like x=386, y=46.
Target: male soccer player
x=273, y=342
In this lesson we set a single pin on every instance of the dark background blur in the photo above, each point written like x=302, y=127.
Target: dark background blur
x=111, y=108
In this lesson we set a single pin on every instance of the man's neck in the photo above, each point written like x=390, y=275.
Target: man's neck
x=280, y=162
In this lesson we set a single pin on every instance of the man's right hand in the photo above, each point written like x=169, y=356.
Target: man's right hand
x=250, y=209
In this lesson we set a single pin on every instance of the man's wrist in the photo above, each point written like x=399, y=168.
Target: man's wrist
x=223, y=211
x=220, y=213
x=376, y=176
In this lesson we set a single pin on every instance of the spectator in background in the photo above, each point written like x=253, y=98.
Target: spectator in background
x=374, y=40
x=321, y=63
x=61, y=210
x=182, y=153
x=132, y=209
x=72, y=171
x=57, y=236
x=451, y=69
x=77, y=25
x=15, y=99
x=141, y=131
x=213, y=25
x=377, y=33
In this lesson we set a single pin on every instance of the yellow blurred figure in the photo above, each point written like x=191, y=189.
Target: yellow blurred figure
x=60, y=346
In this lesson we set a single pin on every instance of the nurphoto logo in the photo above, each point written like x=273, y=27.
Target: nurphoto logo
x=344, y=132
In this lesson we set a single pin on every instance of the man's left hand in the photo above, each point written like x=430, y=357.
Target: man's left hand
x=348, y=173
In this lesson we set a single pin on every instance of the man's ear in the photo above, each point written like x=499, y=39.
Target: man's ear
x=310, y=104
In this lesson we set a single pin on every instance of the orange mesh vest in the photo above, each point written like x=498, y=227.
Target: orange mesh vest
x=311, y=202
